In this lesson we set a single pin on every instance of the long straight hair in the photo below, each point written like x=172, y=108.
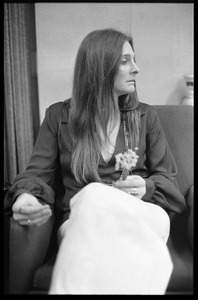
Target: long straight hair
x=92, y=103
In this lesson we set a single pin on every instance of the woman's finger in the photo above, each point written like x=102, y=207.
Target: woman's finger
x=43, y=213
x=30, y=209
x=128, y=183
x=34, y=215
x=34, y=222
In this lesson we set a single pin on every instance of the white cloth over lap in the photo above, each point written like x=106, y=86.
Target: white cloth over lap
x=113, y=243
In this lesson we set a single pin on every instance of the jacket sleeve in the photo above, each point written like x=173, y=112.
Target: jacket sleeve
x=161, y=185
x=38, y=178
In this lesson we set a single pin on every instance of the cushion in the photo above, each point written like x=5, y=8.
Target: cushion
x=42, y=277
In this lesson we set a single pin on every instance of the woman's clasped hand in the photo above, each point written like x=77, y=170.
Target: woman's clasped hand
x=27, y=210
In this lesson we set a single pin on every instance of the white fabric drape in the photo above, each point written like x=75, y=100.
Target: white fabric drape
x=113, y=243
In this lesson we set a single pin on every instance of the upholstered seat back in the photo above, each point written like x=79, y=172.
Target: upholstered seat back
x=177, y=122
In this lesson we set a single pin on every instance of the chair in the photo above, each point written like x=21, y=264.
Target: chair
x=32, y=251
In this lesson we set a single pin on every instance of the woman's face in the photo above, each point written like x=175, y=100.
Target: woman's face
x=126, y=75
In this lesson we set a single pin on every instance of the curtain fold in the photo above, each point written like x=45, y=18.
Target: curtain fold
x=18, y=120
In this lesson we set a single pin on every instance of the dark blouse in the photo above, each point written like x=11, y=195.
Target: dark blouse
x=49, y=178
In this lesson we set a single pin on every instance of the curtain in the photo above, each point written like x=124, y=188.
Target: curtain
x=18, y=118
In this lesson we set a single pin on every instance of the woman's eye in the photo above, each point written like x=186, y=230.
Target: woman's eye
x=124, y=61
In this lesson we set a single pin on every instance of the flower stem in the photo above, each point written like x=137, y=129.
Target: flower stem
x=125, y=174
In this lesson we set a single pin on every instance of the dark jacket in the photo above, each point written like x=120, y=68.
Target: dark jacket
x=49, y=178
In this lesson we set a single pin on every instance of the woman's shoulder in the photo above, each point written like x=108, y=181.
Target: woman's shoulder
x=57, y=107
x=56, y=113
x=147, y=108
x=149, y=114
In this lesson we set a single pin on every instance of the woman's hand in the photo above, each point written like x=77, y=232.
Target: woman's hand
x=133, y=184
x=27, y=210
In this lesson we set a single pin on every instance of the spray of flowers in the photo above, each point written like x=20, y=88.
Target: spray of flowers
x=126, y=162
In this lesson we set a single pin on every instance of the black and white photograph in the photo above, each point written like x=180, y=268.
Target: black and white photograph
x=98, y=148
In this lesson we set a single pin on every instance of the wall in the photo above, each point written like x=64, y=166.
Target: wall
x=163, y=38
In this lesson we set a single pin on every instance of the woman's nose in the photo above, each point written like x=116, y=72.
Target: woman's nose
x=134, y=68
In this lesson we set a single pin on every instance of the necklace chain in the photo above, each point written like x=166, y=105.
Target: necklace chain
x=126, y=139
x=126, y=148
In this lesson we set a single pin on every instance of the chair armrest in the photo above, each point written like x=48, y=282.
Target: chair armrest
x=28, y=248
x=190, y=217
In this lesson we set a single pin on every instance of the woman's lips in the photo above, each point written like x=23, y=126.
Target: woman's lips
x=131, y=81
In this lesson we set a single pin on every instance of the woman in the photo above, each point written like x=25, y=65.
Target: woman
x=113, y=223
